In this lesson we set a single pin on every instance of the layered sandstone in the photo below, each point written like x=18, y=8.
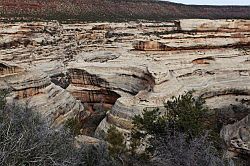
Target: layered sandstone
x=123, y=68
x=237, y=137
x=36, y=91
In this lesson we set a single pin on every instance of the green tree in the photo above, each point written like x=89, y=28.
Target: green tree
x=3, y=94
x=151, y=123
x=186, y=114
x=116, y=140
x=74, y=125
x=177, y=135
x=183, y=114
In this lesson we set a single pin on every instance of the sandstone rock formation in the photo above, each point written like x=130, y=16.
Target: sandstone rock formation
x=86, y=140
x=35, y=89
x=104, y=68
x=201, y=35
x=237, y=137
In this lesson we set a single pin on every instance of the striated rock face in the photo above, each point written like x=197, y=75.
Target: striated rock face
x=118, y=69
x=201, y=34
x=35, y=89
x=102, y=27
x=197, y=44
x=100, y=83
x=150, y=46
x=6, y=69
x=83, y=140
x=237, y=137
x=201, y=25
x=14, y=35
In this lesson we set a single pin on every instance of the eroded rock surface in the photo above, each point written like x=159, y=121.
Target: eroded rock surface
x=124, y=68
x=36, y=91
x=237, y=137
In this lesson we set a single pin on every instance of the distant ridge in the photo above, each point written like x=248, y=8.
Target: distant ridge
x=117, y=10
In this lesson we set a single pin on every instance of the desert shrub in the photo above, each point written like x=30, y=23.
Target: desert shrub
x=151, y=123
x=183, y=114
x=74, y=125
x=177, y=151
x=95, y=155
x=119, y=152
x=3, y=94
x=177, y=136
x=116, y=141
x=26, y=139
x=186, y=114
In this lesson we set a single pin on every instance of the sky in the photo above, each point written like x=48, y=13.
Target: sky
x=214, y=2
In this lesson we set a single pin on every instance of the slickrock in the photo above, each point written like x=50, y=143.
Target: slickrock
x=201, y=34
x=237, y=137
x=124, y=68
x=202, y=25
x=94, y=83
x=83, y=140
x=14, y=35
x=35, y=89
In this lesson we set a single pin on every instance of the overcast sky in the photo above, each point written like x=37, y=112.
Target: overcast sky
x=214, y=2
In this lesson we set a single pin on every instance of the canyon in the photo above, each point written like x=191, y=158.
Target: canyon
x=105, y=73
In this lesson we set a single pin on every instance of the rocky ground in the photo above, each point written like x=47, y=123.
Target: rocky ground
x=105, y=73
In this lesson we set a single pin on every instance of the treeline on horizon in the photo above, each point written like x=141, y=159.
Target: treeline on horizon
x=116, y=10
